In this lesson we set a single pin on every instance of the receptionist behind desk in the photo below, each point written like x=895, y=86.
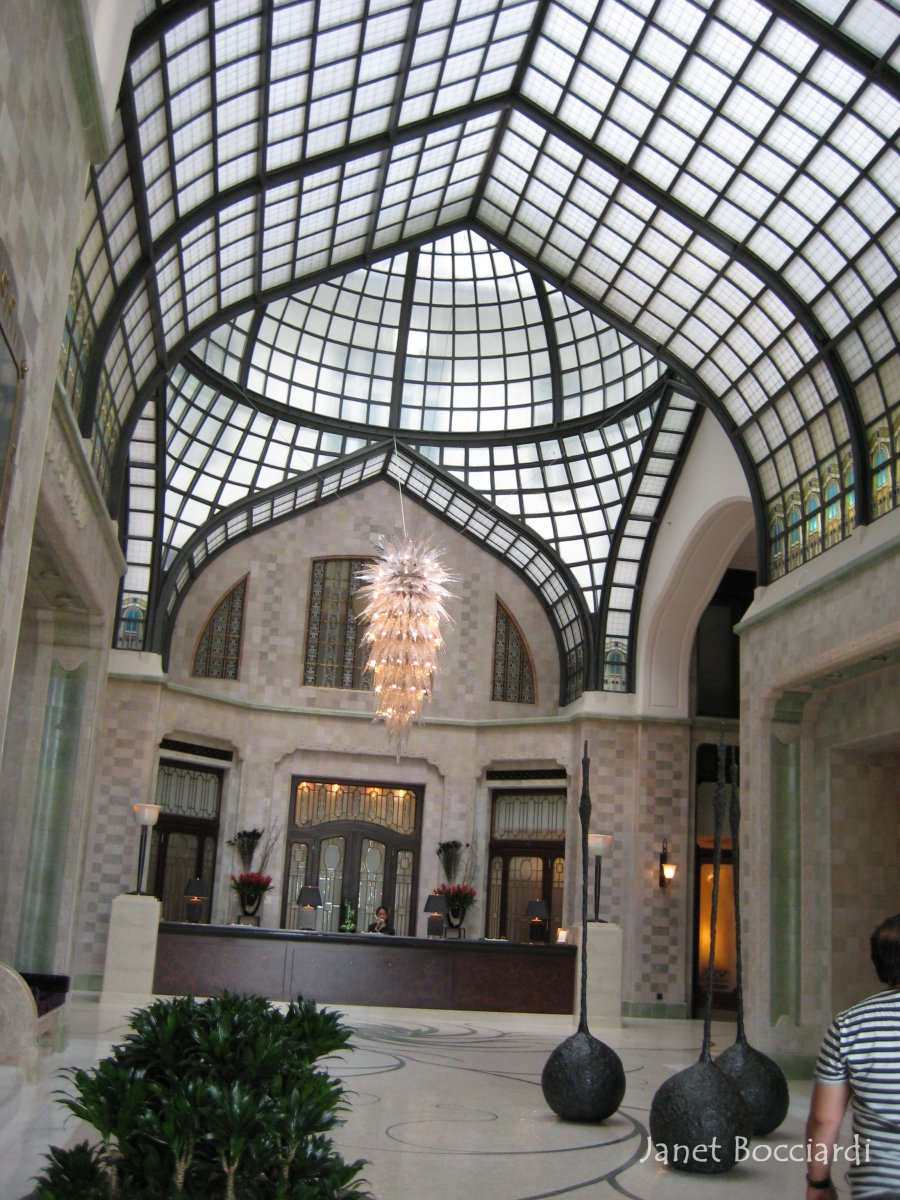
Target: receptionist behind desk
x=381, y=923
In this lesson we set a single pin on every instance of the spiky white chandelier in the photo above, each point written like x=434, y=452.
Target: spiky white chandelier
x=405, y=590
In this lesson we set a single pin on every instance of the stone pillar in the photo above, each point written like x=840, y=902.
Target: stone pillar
x=785, y=860
x=604, y=975
x=131, y=950
x=50, y=822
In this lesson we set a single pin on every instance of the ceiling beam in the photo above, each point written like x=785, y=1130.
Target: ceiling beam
x=735, y=250
x=698, y=388
x=247, y=190
x=878, y=70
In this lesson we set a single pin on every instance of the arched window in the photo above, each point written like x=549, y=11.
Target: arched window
x=336, y=654
x=615, y=665
x=881, y=475
x=813, y=524
x=131, y=623
x=218, y=653
x=513, y=677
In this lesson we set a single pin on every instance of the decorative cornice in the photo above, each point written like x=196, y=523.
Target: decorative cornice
x=291, y=710
x=66, y=454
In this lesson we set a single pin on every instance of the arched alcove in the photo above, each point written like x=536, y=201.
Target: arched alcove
x=709, y=518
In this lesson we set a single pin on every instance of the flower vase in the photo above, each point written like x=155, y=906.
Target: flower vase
x=455, y=917
x=249, y=910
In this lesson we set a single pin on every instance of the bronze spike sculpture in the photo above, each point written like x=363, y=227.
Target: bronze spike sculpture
x=701, y=1107
x=759, y=1080
x=583, y=1079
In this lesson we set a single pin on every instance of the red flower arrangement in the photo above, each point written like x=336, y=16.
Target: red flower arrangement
x=250, y=885
x=460, y=897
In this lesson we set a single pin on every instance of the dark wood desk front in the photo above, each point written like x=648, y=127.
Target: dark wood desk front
x=365, y=969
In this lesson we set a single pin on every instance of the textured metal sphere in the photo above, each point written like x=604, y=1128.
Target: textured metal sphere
x=691, y=1109
x=583, y=1079
x=761, y=1082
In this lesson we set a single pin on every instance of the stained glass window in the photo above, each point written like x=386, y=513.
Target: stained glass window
x=335, y=652
x=219, y=649
x=188, y=792
x=538, y=816
x=322, y=803
x=513, y=676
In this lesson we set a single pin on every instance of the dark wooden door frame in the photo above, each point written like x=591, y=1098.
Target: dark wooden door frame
x=354, y=832
x=169, y=823
x=548, y=851
x=179, y=822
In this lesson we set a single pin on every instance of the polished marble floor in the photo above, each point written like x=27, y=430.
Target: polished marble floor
x=448, y=1106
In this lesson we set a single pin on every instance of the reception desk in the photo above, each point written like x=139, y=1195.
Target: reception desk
x=364, y=969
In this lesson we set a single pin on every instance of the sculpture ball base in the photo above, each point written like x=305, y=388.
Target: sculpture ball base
x=762, y=1084
x=583, y=1079
x=691, y=1109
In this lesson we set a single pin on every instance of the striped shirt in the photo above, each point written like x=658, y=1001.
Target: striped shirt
x=862, y=1047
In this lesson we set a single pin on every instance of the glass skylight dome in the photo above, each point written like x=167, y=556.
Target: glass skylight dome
x=457, y=336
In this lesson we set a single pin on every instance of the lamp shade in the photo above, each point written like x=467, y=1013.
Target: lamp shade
x=537, y=910
x=310, y=897
x=146, y=814
x=599, y=844
x=197, y=889
x=436, y=904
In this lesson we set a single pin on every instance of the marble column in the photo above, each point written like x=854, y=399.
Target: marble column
x=50, y=823
x=785, y=873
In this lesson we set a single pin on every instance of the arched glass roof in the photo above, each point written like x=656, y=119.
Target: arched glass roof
x=714, y=186
x=457, y=336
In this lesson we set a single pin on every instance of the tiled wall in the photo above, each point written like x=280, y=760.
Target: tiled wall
x=851, y=620
x=865, y=865
x=278, y=563
x=277, y=729
x=43, y=172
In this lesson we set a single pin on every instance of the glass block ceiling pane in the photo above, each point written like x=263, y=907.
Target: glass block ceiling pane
x=874, y=24
x=600, y=367
x=477, y=355
x=569, y=490
x=219, y=451
x=475, y=348
x=330, y=350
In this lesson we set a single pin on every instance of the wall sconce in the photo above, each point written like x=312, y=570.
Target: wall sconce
x=436, y=906
x=666, y=869
x=598, y=845
x=538, y=914
x=146, y=816
x=196, y=891
x=309, y=899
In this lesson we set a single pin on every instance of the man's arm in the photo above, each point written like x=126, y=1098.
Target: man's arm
x=823, y=1127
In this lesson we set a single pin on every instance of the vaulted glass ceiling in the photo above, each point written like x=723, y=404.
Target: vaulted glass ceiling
x=591, y=487
x=717, y=182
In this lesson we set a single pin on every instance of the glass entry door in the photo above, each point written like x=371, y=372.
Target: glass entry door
x=355, y=843
x=527, y=861
x=183, y=841
x=517, y=876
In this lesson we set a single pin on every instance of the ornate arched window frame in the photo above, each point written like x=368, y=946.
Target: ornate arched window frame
x=206, y=630
x=501, y=606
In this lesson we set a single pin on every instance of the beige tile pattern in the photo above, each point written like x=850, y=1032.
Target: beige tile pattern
x=43, y=166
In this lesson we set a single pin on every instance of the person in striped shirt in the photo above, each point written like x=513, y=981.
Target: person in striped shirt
x=859, y=1064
